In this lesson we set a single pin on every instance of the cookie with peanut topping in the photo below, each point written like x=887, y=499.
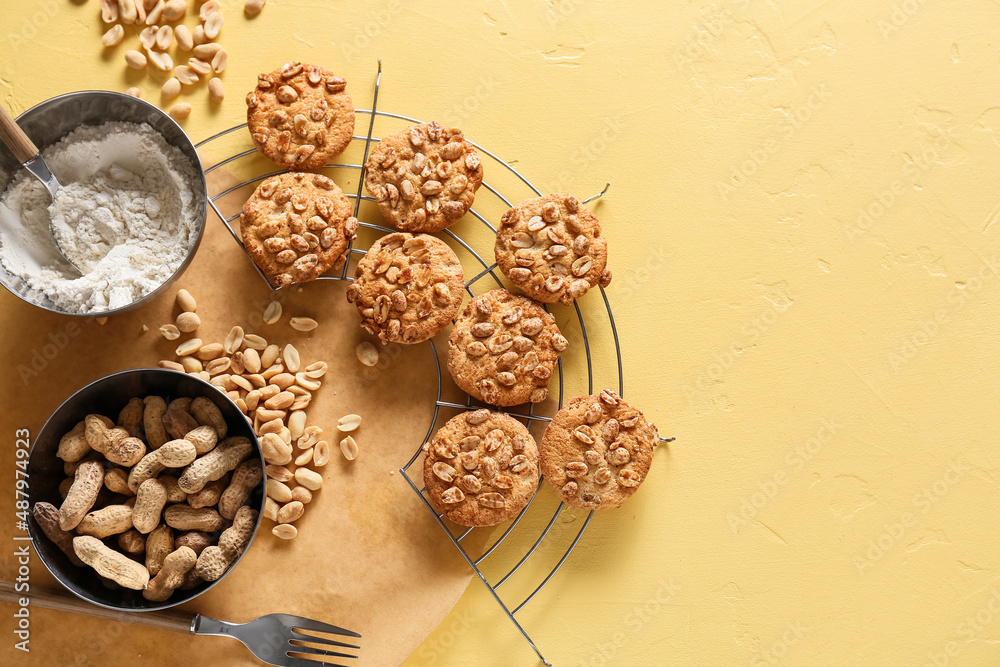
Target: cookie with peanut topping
x=300, y=116
x=597, y=451
x=296, y=226
x=504, y=348
x=424, y=177
x=481, y=468
x=407, y=287
x=551, y=247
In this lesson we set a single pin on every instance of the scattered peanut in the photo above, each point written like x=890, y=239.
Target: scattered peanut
x=310, y=479
x=220, y=61
x=216, y=90
x=349, y=448
x=285, y=531
x=272, y=313
x=349, y=423
x=114, y=36
x=303, y=323
x=253, y=7
x=135, y=92
x=135, y=59
x=186, y=301
x=188, y=322
x=180, y=111
x=185, y=42
x=174, y=10
x=367, y=353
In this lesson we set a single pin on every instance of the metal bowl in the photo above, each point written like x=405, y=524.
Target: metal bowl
x=107, y=396
x=51, y=120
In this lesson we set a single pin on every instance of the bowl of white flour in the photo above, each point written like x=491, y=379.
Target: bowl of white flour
x=130, y=213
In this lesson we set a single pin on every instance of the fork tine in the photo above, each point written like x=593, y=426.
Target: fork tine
x=291, y=661
x=309, y=650
x=302, y=637
x=314, y=626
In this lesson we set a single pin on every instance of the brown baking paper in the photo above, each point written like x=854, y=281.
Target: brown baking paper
x=369, y=555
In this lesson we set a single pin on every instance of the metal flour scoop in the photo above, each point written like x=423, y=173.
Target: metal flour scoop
x=30, y=157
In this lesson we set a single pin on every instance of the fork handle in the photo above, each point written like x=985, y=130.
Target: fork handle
x=50, y=599
x=15, y=139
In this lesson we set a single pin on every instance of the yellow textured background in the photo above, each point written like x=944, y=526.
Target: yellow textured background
x=802, y=224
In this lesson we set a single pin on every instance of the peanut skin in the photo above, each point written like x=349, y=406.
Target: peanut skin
x=210, y=467
x=177, y=420
x=245, y=479
x=109, y=563
x=47, y=516
x=82, y=494
x=185, y=517
x=130, y=418
x=172, y=575
x=213, y=561
x=110, y=520
x=208, y=414
x=149, y=502
x=152, y=420
x=73, y=446
x=159, y=543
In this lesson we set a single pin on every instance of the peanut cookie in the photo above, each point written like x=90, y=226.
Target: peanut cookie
x=552, y=248
x=481, y=468
x=424, y=177
x=296, y=226
x=503, y=349
x=300, y=116
x=407, y=287
x=597, y=451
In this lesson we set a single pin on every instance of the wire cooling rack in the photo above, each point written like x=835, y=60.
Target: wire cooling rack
x=487, y=274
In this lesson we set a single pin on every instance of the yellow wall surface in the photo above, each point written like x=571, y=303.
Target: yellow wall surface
x=803, y=230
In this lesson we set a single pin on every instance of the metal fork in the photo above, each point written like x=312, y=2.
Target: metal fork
x=270, y=637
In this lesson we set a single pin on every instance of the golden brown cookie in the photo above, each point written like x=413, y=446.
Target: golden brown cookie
x=407, y=287
x=503, y=349
x=296, y=226
x=424, y=177
x=597, y=451
x=300, y=116
x=552, y=248
x=481, y=468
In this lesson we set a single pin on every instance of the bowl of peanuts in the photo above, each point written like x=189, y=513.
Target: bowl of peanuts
x=146, y=488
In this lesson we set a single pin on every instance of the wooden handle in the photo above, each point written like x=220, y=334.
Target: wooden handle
x=15, y=139
x=49, y=599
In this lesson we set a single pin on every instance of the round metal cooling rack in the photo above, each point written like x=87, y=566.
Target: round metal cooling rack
x=488, y=269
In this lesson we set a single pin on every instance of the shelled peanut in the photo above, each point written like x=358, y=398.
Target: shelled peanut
x=273, y=387
x=197, y=52
x=134, y=481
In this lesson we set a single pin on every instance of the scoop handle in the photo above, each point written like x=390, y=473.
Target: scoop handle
x=15, y=139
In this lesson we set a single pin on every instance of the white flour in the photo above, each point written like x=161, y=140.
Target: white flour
x=125, y=215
